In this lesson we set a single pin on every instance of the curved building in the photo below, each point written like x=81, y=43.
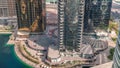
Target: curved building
x=70, y=19
x=116, y=58
x=31, y=15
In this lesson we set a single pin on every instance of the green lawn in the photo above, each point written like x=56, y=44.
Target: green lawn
x=111, y=54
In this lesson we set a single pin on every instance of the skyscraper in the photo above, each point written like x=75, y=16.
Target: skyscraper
x=78, y=15
x=97, y=13
x=70, y=19
x=116, y=57
x=100, y=12
x=31, y=15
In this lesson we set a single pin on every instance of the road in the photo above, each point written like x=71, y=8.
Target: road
x=102, y=57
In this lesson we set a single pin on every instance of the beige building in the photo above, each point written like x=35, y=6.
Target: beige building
x=7, y=8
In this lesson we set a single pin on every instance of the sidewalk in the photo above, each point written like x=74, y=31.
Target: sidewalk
x=106, y=65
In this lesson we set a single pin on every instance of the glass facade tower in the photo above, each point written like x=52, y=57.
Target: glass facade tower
x=87, y=13
x=116, y=57
x=97, y=13
x=100, y=12
x=31, y=15
x=76, y=16
x=70, y=18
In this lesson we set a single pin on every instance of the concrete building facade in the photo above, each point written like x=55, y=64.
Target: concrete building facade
x=7, y=8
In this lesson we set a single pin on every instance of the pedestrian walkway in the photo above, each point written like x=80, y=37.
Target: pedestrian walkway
x=106, y=65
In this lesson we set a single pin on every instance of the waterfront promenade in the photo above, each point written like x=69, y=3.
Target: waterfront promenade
x=33, y=54
x=10, y=42
x=5, y=32
x=16, y=48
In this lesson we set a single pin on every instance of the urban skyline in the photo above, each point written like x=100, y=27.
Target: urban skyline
x=61, y=33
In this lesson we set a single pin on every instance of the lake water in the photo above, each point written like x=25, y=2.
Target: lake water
x=8, y=58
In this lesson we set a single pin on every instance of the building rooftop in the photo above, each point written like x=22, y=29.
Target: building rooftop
x=53, y=51
x=86, y=49
x=23, y=33
x=43, y=40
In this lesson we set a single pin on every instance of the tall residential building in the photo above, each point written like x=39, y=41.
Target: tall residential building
x=7, y=8
x=70, y=19
x=116, y=57
x=87, y=13
x=31, y=15
x=78, y=15
x=97, y=13
x=100, y=12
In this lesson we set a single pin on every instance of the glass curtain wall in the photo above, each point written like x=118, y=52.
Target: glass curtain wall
x=71, y=19
x=31, y=15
